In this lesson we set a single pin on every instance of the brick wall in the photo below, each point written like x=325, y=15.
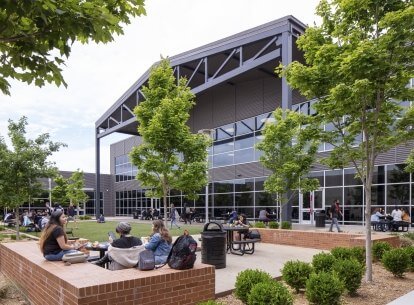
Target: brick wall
x=54, y=283
x=320, y=240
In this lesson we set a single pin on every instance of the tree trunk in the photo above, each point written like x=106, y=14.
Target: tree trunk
x=17, y=224
x=368, y=242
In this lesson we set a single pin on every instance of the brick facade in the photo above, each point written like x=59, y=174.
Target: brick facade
x=321, y=240
x=54, y=283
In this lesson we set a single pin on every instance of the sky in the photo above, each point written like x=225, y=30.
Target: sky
x=98, y=74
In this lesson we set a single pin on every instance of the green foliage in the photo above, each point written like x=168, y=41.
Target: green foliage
x=36, y=36
x=350, y=272
x=289, y=148
x=342, y=253
x=396, y=261
x=23, y=164
x=358, y=253
x=76, y=184
x=357, y=65
x=210, y=302
x=409, y=235
x=323, y=262
x=246, y=280
x=324, y=288
x=13, y=237
x=273, y=225
x=410, y=251
x=60, y=191
x=269, y=293
x=379, y=248
x=287, y=225
x=170, y=156
x=85, y=217
x=259, y=224
x=296, y=273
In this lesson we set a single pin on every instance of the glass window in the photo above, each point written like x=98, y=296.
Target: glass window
x=353, y=195
x=259, y=183
x=349, y=177
x=244, y=156
x=397, y=174
x=378, y=195
x=223, y=200
x=223, y=187
x=264, y=199
x=223, y=146
x=379, y=175
x=245, y=141
x=244, y=199
x=226, y=131
x=332, y=194
x=261, y=120
x=333, y=177
x=245, y=126
x=355, y=215
x=319, y=176
x=244, y=185
x=398, y=194
x=223, y=159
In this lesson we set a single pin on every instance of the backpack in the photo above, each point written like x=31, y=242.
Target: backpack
x=146, y=260
x=182, y=255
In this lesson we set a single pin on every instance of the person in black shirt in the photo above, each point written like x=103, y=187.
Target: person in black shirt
x=53, y=241
x=119, y=248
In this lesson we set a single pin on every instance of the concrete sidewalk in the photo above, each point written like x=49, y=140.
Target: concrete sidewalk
x=407, y=299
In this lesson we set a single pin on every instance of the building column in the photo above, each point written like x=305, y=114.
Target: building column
x=97, y=175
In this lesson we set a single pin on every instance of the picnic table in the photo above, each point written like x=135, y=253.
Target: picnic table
x=241, y=245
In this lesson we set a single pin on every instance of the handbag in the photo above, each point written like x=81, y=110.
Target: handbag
x=74, y=258
x=146, y=260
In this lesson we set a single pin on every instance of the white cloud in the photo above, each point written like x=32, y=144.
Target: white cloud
x=97, y=75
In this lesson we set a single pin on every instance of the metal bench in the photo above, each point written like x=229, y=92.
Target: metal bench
x=246, y=246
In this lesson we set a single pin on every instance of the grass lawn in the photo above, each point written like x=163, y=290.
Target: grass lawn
x=99, y=231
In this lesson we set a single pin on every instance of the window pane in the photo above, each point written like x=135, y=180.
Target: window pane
x=223, y=187
x=397, y=174
x=223, y=146
x=332, y=194
x=244, y=185
x=223, y=200
x=353, y=214
x=244, y=199
x=245, y=126
x=353, y=195
x=223, y=159
x=264, y=199
x=246, y=141
x=398, y=194
x=349, y=177
x=244, y=156
x=319, y=176
x=333, y=177
x=379, y=175
x=378, y=195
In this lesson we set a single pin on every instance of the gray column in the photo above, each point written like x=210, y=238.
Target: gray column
x=97, y=175
x=286, y=59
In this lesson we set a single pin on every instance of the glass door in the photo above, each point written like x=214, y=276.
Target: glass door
x=311, y=202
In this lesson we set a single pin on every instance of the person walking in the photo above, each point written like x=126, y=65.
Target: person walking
x=174, y=216
x=335, y=212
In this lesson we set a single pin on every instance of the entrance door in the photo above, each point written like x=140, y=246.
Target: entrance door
x=310, y=203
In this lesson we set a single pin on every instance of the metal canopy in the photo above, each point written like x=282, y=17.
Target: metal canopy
x=224, y=61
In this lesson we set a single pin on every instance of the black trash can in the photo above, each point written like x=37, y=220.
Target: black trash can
x=213, y=249
x=320, y=219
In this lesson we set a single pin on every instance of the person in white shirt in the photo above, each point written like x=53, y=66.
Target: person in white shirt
x=396, y=214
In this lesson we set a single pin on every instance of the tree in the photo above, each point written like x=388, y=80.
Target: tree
x=170, y=156
x=289, y=148
x=358, y=64
x=23, y=164
x=60, y=191
x=36, y=36
x=75, y=193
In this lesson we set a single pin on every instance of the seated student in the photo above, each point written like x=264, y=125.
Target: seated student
x=159, y=242
x=122, y=252
x=405, y=215
x=101, y=219
x=264, y=216
x=53, y=241
x=375, y=219
x=233, y=217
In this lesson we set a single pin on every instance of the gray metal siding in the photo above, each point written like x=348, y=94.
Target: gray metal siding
x=272, y=94
x=249, y=99
x=224, y=105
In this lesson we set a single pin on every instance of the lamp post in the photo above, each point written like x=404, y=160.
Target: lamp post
x=208, y=133
x=50, y=191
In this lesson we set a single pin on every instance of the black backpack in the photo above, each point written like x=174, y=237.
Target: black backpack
x=182, y=255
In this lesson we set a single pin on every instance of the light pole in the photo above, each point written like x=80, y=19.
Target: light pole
x=50, y=191
x=208, y=133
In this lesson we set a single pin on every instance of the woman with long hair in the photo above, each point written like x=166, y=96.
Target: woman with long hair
x=53, y=241
x=159, y=242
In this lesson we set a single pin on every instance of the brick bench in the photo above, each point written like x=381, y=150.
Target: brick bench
x=53, y=283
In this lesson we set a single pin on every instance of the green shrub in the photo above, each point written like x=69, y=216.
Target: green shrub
x=246, y=280
x=396, y=261
x=85, y=217
x=406, y=241
x=410, y=252
x=359, y=254
x=273, y=225
x=409, y=235
x=259, y=224
x=350, y=272
x=295, y=274
x=287, y=225
x=210, y=302
x=13, y=237
x=324, y=288
x=270, y=293
x=323, y=262
x=342, y=253
x=379, y=248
